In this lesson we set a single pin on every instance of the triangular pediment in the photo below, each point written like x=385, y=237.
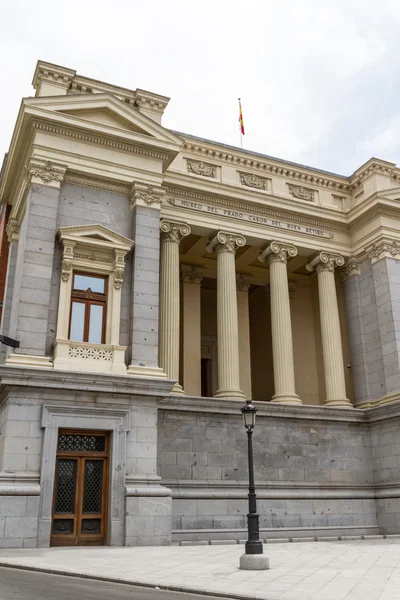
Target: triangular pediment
x=105, y=113
x=94, y=235
x=390, y=194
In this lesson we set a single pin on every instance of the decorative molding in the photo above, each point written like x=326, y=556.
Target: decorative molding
x=383, y=248
x=268, y=164
x=146, y=195
x=172, y=231
x=351, y=267
x=278, y=251
x=325, y=262
x=191, y=274
x=301, y=193
x=242, y=282
x=253, y=181
x=201, y=168
x=100, y=140
x=225, y=241
x=46, y=171
x=93, y=257
x=12, y=230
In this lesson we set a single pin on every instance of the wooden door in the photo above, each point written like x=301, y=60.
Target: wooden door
x=80, y=489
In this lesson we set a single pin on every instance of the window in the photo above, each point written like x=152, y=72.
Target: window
x=88, y=308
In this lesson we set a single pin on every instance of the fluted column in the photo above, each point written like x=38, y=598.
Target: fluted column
x=171, y=235
x=281, y=323
x=192, y=277
x=324, y=264
x=225, y=245
x=243, y=286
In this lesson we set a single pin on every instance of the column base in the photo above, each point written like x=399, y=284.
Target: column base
x=235, y=394
x=291, y=399
x=254, y=562
x=339, y=403
x=177, y=390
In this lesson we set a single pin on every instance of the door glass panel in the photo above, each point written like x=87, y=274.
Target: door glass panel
x=77, y=321
x=72, y=442
x=96, y=324
x=92, y=487
x=84, y=282
x=66, y=485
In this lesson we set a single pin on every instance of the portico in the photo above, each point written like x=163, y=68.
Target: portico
x=233, y=284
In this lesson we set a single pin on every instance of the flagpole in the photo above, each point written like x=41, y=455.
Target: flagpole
x=241, y=134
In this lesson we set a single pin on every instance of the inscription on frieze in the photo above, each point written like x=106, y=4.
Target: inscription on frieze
x=250, y=217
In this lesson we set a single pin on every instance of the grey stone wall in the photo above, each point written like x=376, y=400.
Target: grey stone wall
x=385, y=442
x=386, y=274
x=309, y=473
x=8, y=295
x=364, y=335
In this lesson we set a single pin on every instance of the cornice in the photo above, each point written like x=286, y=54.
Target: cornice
x=266, y=166
x=376, y=210
x=256, y=208
x=100, y=140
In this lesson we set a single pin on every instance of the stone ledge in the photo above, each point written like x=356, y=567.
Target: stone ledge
x=19, y=484
x=264, y=409
x=19, y=376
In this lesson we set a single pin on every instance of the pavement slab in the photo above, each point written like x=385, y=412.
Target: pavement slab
x=343, y=570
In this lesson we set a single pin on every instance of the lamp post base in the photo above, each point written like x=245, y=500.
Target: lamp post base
x=254, y=562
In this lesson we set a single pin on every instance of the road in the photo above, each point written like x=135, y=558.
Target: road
x=16, y=584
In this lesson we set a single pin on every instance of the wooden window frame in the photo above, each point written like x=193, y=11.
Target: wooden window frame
x=88, y=299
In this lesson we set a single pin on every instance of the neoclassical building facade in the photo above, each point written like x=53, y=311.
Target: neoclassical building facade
x=154, y=281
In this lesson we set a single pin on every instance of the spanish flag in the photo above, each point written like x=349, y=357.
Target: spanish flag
x=241, y=122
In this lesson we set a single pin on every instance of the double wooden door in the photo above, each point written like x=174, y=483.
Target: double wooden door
x=80, y=489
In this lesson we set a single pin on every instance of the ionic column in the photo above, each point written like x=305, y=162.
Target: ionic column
x=191, y=329
x=281, y=324
x=324, y=264
x=225, y=245
x=243, y=286
x=171, y=235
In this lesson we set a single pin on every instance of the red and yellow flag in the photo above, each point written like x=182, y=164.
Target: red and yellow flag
x=241, y=122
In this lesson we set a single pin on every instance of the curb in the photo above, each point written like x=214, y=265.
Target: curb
x=169, y=588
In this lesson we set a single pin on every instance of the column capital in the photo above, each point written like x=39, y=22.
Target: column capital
x=172, y=231
x=351, y=267
x=146, y=195
x=242, y=282
x=45, y=172
x=12, y=229
x=325, y=262
x=191, y=274
x=225, y=241
x=383, y=248
x=277, y=251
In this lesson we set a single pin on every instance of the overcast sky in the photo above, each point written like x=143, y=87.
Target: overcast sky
x=319, y=79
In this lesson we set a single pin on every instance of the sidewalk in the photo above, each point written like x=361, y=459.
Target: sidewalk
x=347, y=570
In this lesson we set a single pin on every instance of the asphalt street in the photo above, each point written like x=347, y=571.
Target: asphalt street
x=16, y=584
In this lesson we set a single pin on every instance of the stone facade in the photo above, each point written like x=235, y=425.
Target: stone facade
x=216, y=290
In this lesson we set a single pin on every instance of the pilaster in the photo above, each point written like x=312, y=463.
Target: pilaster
x=146, y=204
x=243, y=285
x=191, y=277
x=34, y=261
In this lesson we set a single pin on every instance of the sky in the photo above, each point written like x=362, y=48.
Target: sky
x=319, y=79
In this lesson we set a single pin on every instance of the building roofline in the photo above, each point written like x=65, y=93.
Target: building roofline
x=267, y=156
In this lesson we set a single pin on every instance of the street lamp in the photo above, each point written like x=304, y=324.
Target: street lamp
x=253, y=557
